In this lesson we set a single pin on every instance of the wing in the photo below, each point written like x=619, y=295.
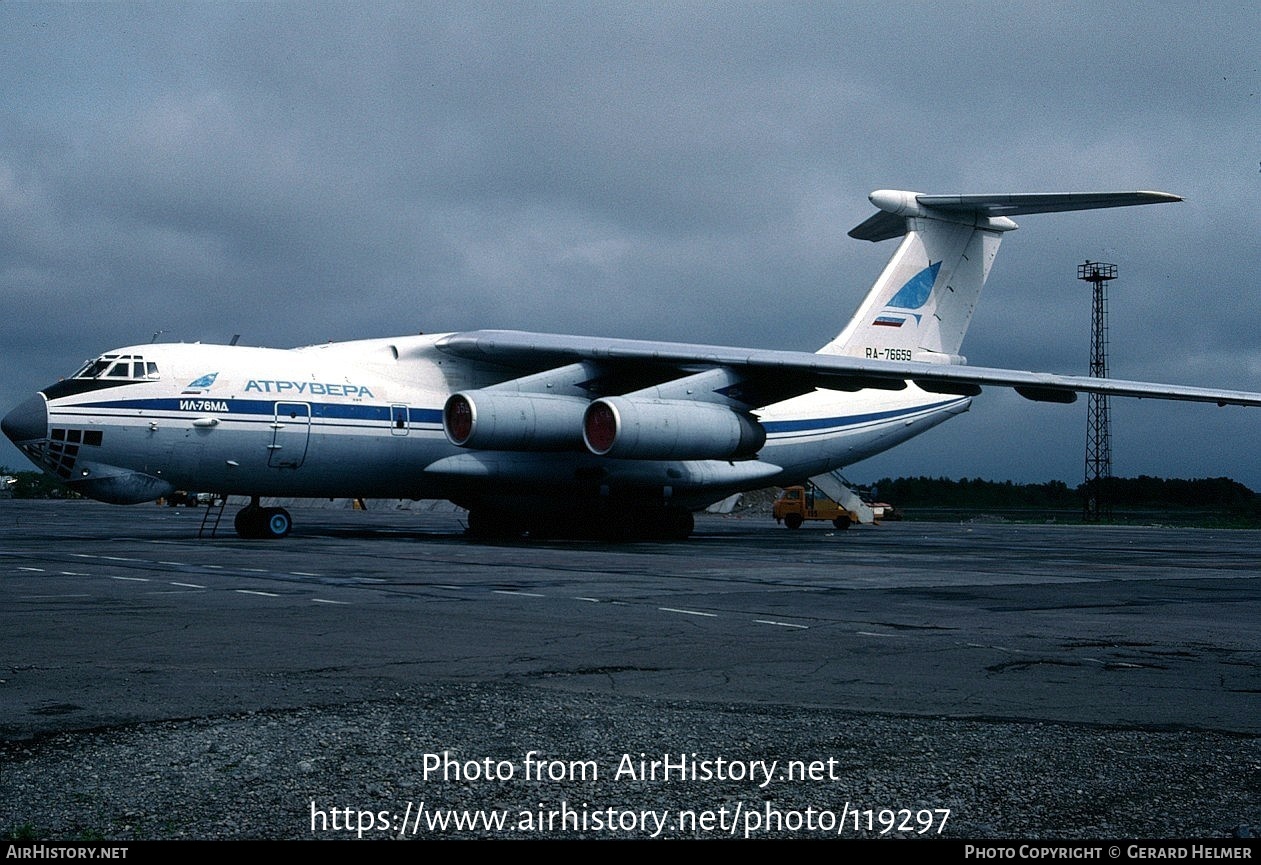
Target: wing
x=760, y=377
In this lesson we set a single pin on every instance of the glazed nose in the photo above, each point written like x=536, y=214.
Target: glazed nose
x=28, y=422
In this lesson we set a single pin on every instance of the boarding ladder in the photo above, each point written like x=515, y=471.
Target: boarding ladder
x=211, y=517
x=838, y=490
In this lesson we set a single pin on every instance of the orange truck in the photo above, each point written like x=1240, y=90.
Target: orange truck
x=795, y=505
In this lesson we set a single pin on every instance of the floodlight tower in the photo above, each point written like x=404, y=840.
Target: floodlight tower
x=1097, y=507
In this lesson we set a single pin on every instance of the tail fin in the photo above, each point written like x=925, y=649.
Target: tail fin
x=921, y=305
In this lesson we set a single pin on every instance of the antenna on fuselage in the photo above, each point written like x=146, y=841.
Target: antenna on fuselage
x=235, y=337
x=155, y=336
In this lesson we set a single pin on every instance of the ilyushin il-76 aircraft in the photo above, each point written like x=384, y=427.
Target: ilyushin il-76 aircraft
x=543, y=433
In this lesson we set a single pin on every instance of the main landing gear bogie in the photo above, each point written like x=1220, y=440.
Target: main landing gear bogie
x=667, y=523
x=253, y=521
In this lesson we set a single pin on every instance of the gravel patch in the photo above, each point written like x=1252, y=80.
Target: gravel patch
x=312, y=772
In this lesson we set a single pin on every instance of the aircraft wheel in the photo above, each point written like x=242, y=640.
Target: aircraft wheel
x=484, y=524
x=793, y=521
x=276, y=523
x=248, y=522
x=253, y=522
x=661, y=524
x=841, y=523
x=680, y=523
x=481, y=524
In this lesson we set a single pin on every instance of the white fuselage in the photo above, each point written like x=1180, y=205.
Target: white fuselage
x=364, y=419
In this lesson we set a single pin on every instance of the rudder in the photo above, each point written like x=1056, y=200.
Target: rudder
x=920, y=307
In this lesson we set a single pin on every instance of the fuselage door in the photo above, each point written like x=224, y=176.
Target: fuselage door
x=399, y=420
x=291, y=432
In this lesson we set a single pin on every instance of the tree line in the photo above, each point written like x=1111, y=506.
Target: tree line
x=925, y=492
x=1139, y=492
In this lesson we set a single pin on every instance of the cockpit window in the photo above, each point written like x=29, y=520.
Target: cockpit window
x=126, y=367
x=93, y=369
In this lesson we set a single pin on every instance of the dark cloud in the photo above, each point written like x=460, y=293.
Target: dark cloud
x=303, y=172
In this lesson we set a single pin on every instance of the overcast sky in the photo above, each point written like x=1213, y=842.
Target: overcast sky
x=300, y=172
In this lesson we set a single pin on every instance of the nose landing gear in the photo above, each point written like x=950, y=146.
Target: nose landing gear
x=254, y=521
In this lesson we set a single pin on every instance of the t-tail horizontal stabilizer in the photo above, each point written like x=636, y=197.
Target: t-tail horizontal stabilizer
x=921, y=305
x=896, y=205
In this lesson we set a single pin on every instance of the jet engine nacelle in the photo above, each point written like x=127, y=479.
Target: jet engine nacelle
x=628, y=428
x=488, y=420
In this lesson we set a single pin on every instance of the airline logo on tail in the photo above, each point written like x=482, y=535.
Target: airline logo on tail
x=911, y=296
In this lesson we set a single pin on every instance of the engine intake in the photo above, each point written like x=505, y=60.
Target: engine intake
x=627, y=428
x=486, y=420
